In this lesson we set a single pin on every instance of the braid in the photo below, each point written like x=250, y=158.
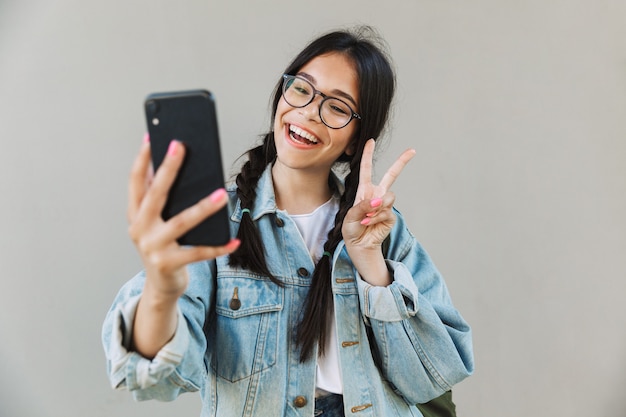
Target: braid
x=318, y=304
x=251, y=253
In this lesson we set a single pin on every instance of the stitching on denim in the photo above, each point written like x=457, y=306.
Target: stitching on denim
x=382, y=339
x=398, y=299
x=424, y=357
x=176, y=379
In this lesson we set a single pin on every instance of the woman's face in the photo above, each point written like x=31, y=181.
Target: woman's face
x=302, y=140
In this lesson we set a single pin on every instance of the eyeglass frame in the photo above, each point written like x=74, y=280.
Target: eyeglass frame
x=353, y=115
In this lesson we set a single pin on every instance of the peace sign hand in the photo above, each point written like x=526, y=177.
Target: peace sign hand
x=371, y=218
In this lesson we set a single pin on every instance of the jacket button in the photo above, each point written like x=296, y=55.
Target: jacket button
x=279, y=222
x=235, y=303
x=303, y=272
x=300, y=401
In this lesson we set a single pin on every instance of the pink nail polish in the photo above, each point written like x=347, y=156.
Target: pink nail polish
x=366, y=221
x=146, y=138
x=234, y=243
x=375, y=202
x=173, y=148
x=217, y=195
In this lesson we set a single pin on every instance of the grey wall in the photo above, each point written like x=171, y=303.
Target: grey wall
x=517, y=111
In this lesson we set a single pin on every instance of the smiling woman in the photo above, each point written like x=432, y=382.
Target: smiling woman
x=306, y=145
x=295, y=316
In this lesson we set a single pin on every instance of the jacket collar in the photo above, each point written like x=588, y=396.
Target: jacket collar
x=265, y=201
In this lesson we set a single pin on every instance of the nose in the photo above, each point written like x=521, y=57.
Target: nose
x=312, y=110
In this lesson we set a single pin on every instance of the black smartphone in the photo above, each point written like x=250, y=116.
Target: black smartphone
x=190, y=117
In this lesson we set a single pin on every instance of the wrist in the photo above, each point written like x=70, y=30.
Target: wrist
x=155, y=322
x=371, y=265
x=165, y=288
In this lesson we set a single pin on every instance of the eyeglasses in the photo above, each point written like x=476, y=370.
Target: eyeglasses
x=334, y=113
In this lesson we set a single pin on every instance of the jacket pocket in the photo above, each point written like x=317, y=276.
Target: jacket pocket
x=246, y=332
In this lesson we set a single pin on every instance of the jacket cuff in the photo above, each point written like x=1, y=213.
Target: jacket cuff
x=395, y=302
x=129, y=369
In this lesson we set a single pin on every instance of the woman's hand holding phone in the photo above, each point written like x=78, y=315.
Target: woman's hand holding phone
x=163, y=257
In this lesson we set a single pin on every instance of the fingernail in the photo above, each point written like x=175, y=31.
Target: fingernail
x=375, y=202
x=370, y=214
x=146, y=138
x=366, y=221
x=173, y=148
x=217, y=195
x=234, y=243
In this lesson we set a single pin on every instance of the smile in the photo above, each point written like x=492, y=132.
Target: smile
x=300, y=136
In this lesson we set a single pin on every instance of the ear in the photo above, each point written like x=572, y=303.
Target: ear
x=351, y=149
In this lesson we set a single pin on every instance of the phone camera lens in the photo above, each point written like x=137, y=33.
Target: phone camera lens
x=152, y=106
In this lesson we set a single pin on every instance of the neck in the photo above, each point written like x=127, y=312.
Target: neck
x=300, y=191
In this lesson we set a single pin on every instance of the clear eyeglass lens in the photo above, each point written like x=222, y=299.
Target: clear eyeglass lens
x=298, y=92
x=335, y=113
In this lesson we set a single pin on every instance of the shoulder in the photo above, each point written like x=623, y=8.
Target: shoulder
x=400, y=240
x=400, y=228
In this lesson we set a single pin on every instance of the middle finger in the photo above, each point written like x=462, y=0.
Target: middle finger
x=365, y=173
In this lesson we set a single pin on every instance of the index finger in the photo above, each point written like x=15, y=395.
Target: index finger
x=137, y=181
x=396, y=168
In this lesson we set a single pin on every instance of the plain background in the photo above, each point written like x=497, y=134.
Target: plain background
x=517, y=110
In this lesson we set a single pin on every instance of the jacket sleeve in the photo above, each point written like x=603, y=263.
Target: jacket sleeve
x=179, y=366
x=422, y=344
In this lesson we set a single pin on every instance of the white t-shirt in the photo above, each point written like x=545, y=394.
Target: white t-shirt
x=314, y=228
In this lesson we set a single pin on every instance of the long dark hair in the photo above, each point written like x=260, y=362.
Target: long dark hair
x=376, y=81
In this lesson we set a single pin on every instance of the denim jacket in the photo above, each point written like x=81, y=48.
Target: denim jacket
x=398, y=345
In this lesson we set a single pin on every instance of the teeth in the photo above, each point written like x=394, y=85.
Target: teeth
x=303, y=133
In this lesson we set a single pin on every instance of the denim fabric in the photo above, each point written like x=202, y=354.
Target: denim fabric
x=329, y=406
x=398, y=345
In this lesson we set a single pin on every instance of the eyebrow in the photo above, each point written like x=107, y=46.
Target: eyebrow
x=335, y=92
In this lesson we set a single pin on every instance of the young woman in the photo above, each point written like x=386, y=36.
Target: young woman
x=324, y=304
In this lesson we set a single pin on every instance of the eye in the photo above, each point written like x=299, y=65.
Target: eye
x=339, y=108
x=301, y=87
x=301, y=90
